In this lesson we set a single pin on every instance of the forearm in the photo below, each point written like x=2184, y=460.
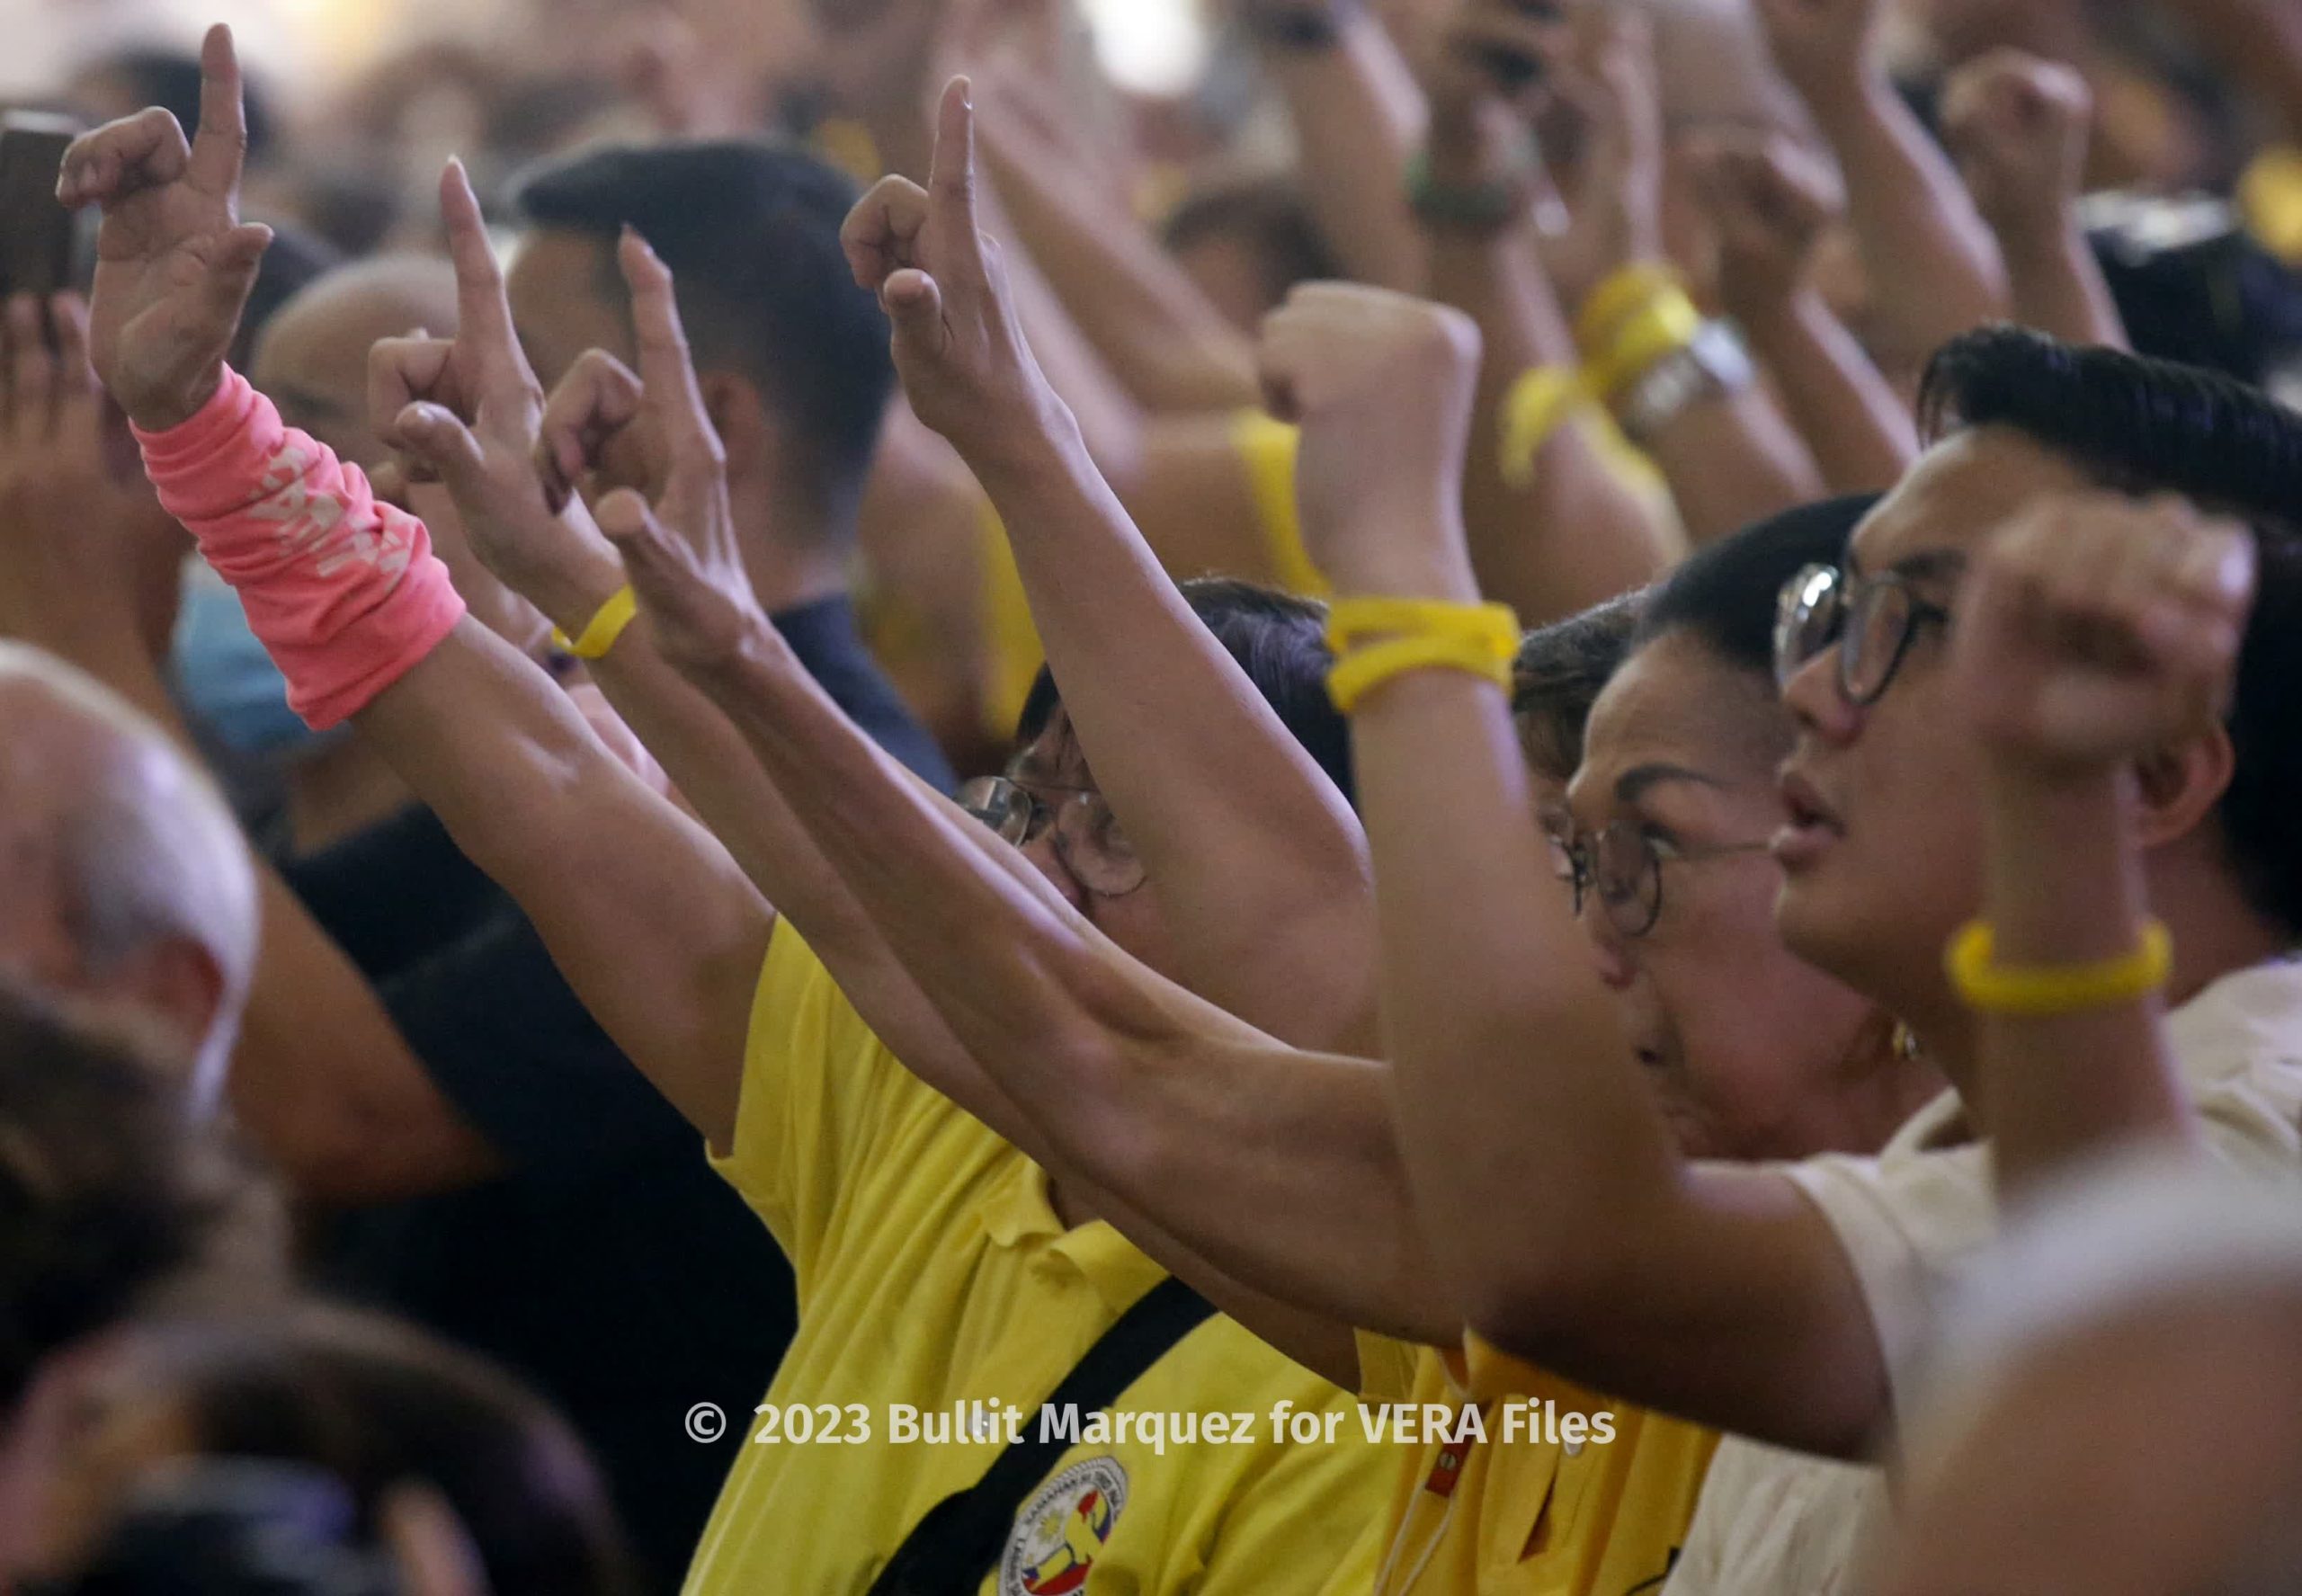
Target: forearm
x=1505, y=1055
x=2058, y=285
x=651, y=922
x=1359, y=119
x=1934, y=270
x=1152, y=328
x=2064, y=885
x=1161, y=1101
x=1574, y=534
x=1255, y=856
x=1732, y=458
x=1861, y=435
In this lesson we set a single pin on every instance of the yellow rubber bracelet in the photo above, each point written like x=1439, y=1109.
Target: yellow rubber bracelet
x=1538, y=404
x=1664, y=327
x=1353, y=678
x=605, y=628
x=2044, y=991
x=1353, y=621
x=1618, y=298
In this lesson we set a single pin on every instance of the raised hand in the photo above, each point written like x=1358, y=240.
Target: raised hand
x=173, y=261
x=957, y=342
x=681, y=552
x=1614, y=195
x=87, y=553
x=2096, y=629
x=1827, y=48
x=1382, y=386
x=2018, y=126
x=1770, y=201
x=468, y=413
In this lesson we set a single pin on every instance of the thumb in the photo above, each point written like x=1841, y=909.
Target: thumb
x=231, y=275
x=440, y=448
x=914, y=304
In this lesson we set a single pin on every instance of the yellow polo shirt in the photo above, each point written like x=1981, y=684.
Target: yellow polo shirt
x=1521, y=1513
x=933, y=1274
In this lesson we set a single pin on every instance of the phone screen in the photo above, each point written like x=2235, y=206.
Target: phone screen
x=36, y=233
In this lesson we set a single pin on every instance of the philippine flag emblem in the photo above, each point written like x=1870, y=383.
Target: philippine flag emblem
x=1061, y=1530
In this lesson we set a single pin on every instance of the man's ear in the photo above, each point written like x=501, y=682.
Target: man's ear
x=740, y=417
x=2181, y=786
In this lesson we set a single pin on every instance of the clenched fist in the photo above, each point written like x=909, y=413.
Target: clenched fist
x=2018, y=126
x=2095, y=629
x=1382, y=386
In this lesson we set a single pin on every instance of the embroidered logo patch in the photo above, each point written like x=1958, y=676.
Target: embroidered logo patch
x=1061, y=1530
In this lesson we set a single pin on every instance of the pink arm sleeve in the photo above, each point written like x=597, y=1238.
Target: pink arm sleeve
x=343, y=591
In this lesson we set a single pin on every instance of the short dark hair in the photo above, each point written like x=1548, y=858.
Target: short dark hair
x=751, y=232
x=1279, y=641
x=107, y=1191
x=376, y=1404
x=1560, y=670
x=2143, y=426
x=1724, y=592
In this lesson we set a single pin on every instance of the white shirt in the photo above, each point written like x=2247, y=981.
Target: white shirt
x=1913, y=1220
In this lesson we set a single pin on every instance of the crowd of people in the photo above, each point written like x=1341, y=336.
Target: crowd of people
x=788, y=804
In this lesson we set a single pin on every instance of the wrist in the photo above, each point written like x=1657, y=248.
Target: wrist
x=572, y=590
x=1041, y=440
x=2044, y=236
x=1778, y=312
x=165, y=412
x=1407, y=553
x=1849, y=103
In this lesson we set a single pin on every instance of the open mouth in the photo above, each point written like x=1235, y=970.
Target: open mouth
x=1809, y=824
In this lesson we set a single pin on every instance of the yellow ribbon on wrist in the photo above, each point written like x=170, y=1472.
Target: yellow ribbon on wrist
x=1617, y=299
x=2046, y=991
x=1670, y=324
x=1540, y=403
x=1354, y=620
x=1378, y=664
x=605, y=627
x=1416, y=634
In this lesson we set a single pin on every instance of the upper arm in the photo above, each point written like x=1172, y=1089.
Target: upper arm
x=653, y=925
x=1741, y=1264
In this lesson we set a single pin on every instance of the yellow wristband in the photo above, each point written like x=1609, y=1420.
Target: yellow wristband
x=1664, y=327
x=1538, y=405
x=1368, y=668
x=1492, y=626
x=1617, y=299
x=605, y=627
x=2044, y=991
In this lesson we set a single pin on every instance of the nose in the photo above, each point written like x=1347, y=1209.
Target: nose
x=1812, y=696
x=1609, y=950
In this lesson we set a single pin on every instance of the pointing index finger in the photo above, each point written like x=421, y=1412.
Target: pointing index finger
x=220, y=146
x=950, y=174
x=666, y=371
x=484, y=315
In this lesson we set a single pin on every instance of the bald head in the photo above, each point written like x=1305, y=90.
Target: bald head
x=312, y=360
x=123, y=875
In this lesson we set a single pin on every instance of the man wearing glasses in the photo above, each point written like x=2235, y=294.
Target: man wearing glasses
x=1785, y=1305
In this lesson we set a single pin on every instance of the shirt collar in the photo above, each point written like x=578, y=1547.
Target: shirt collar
x=1018, y=1213
x=2247, y=1016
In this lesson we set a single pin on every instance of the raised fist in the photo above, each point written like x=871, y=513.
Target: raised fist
x=2095, y=629
x=2018, y=126
x=1382, y=386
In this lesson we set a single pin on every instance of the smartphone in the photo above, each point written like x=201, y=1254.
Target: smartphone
x=37, y=235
